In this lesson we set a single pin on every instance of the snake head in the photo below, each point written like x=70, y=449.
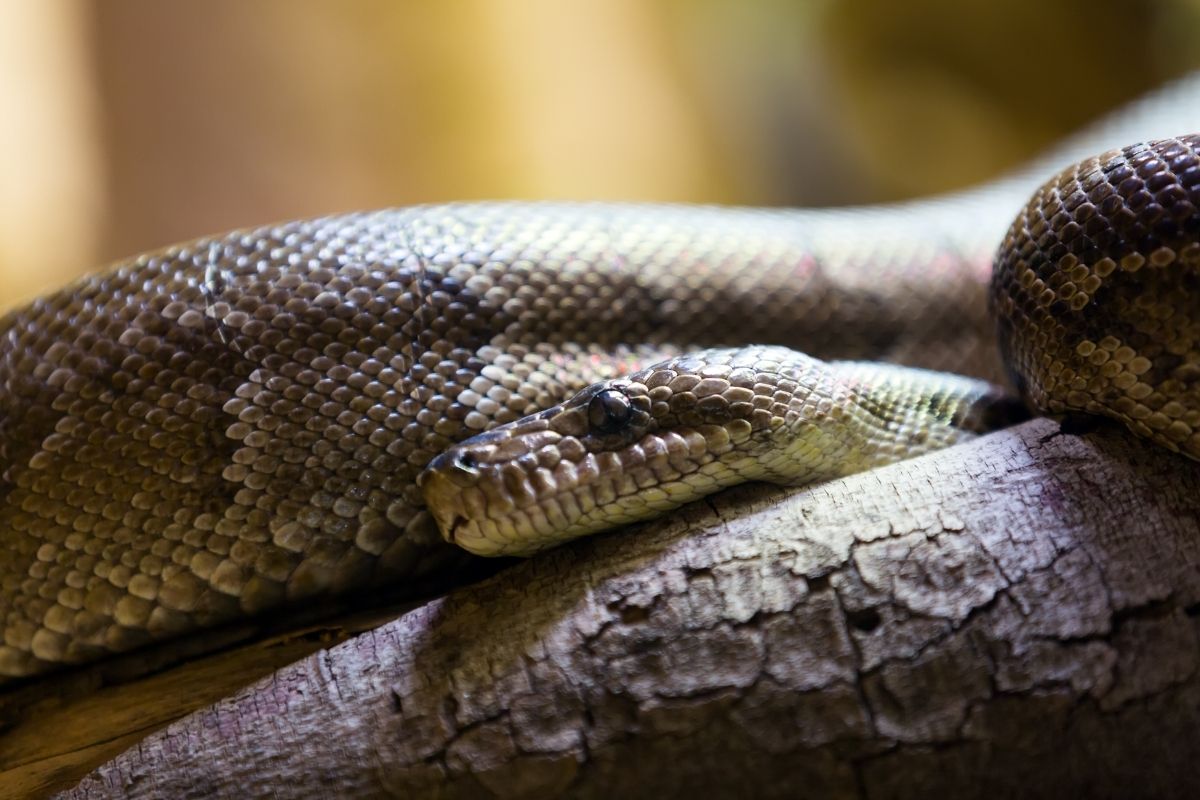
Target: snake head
x=619, y=451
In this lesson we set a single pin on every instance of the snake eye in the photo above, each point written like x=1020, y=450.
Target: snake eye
x=608, y=411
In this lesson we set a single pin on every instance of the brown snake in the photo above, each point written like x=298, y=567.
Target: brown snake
x=238, y=424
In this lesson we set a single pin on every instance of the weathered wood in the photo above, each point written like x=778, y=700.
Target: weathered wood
x=1017, y=616
x=57, y=729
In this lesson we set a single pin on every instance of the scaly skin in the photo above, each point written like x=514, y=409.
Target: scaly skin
x=635, y=447
x=1097, y=298
x=236, y=425
x=1097, y=292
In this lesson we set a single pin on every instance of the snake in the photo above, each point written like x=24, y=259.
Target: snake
x=261, y=420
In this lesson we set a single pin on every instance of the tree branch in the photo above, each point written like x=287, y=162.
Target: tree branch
x=1013, y=616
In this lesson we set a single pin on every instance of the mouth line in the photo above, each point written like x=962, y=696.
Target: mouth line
x=452, y=531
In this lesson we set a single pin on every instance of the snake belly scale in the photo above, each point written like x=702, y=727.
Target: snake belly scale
x=238, y=424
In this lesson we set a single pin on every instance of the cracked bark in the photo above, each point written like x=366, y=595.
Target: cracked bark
x=1017, y=616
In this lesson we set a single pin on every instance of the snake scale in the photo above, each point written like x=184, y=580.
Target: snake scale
x=241, y=424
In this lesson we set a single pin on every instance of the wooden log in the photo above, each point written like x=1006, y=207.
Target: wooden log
x=1016, y=616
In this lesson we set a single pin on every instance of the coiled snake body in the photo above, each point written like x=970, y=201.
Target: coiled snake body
x=239, y=423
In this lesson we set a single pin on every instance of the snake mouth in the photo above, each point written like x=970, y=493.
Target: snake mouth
x=444, y=501
x=451, y=530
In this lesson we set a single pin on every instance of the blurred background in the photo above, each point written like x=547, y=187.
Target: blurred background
x=130, y=124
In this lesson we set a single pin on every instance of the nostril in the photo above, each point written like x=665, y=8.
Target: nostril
x=465, y=462
x=452, y=466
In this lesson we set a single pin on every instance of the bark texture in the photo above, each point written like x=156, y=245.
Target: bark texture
x=1017, y=616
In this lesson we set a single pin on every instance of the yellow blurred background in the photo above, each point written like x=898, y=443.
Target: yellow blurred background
x=129, y=124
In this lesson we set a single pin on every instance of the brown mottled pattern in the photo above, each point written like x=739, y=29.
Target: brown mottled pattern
x=1097, y=291
x=236, y=425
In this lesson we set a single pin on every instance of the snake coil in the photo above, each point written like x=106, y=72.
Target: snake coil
x=178, y=451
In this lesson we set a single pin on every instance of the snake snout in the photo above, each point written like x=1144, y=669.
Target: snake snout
x=443, y=484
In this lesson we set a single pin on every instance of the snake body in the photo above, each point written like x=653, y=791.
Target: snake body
x=1096, y=294
x=238, y=424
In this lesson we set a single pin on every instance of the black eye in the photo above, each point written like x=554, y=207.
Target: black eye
x=608, y=411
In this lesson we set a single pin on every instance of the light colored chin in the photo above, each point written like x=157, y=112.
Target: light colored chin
x=574, y=518
x=470, y=537
x=490, y=542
